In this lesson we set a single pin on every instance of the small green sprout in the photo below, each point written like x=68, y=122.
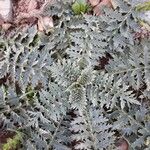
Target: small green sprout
x=80, y=7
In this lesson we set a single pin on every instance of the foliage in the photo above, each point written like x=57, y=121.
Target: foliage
x=80, y=6
x=12, y=143
x=143, y=7
x=53, y=92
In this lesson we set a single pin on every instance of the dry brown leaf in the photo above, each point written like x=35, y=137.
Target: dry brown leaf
x=94, y=2
x=6, y=26
x=6, y=9
x=114, y=5
x=1, y=20
x=97, y=9
x=45, y=23
x=32, y=5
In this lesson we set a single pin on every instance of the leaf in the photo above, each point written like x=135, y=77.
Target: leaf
x=145, y=6
x=114, y=4
x=92, y=130
x=98, y=8
x=94, y=2
x=45, y=23
x=32, y=5
x=79, y=7
x=6, y=10
x=55, y=92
